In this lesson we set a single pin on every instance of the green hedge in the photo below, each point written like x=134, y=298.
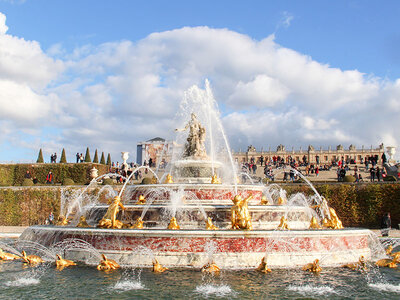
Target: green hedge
x=13, y=175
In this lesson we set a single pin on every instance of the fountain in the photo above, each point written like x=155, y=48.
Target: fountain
x=199, y=201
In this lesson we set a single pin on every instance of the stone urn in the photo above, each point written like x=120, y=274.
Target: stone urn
x=93, y=173
x=125, y=156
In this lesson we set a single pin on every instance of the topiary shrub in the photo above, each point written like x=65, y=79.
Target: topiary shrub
x=349, y=178
x=40, y=159
x=108, y=181
x=87, y=155
x=68, y=181
x=96, y=157
x=63, y=159
x=27, y=182
x=389, y=178
x=102, y=159
x=147, y=180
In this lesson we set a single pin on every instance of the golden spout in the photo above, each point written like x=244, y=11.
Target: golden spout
x=61, y=263
x=31, y=259
x=210, y=268
x=141, y=200
x=82, y=222
x=240, y=215
x=157, y=267
x=107, y=264
x=169, y=179
x=283, y=225
x=264, y=200
x=360, y=265
x=210, y=225
x=263, y=266
x=173, y=224
x=314, y=223
x=215, y=179
x=8, y=256
x=313, y=267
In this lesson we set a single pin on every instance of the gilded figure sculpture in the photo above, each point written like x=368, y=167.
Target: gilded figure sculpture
x=194, y=146
x=264, y=200
x=168, y=179
x=62, y=263
x=210, y=268
x=157, y=267
x=138, y=224
x=109, y=220
x=107, y=264
x=263, y=266
x=141, y=200
x=8, y=256
x=389, y=252
x=62, y=221
x=314, y=223
x=281, y=201
x=386, y=262
x=313, y=267
x=215, y=179
x=360, y=265
x=31, y=259
x=173, y=224
x=210, y=225
x=82, y=222
x=240, y=215
x=333, y=222
x=283, y=225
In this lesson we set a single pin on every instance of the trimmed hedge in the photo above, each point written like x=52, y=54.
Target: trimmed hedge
x=13, y=175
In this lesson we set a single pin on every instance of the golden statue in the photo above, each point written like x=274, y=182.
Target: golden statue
x=283, y=225
x=389, y=250
x=107, y=264
x=141, y=200
x=210, y=268
x=360, y=265
x=138, y=224
x=314, y=223
x=82, y=222
x=264, y=200
x=263, y=266
x=215, y=179
x=313, y=267
x=387, y=262
x=157, y=267
x=281, y=201
x=240, y=215
x=110, y=218
x=173, y=224
x=61, y=263
x=62, y=221
x=210, y=225
x=8, y=256
x=334, y=221
x=31, y=259
x=168, y=179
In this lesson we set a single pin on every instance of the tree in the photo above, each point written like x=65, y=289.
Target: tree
x=102, y=159
x=108, y=159
x=63, y=159
x=40, y=159
x=96, y=157
x=87, y=155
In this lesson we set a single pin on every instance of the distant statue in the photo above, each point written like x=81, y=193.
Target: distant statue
x=240, y=215
x=194, y=147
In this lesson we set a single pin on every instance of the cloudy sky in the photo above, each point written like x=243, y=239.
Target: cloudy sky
x=107, y=74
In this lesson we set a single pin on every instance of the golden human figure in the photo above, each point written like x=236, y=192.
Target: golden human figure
x=138, y=224
x=263, y=266
x=314, y=223
x=157, y=267
x=62, y=221
x=82, y=222
x=110, y=218
x=283, y=225
x=210, y=268
x=141, y=200
x=8, y=256
x=264, y=200
x=31, y=259
x=107, y=264
x=281, y=201
x=240, y=215
x=215, y=179
x=313, y=267
x=61, y=263
x=333, y=222
x=168, y=179
x=210, y=225
x=173, y=224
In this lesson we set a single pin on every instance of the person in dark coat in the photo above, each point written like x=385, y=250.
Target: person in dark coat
x=386, y=224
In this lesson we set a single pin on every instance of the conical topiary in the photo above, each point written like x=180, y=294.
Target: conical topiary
x=102, y=159
x=108, y=160
x=63, y=159
x=40, y=159
x=87, y=155
x=96, y=157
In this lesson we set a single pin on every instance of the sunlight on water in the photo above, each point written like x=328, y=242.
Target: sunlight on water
x=127, y=285
x=311, y=290
x=387, y=287
x=22, y=282
x=215, y=290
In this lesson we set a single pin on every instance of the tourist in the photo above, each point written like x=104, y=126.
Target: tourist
x=378, y=173
x=342, y=173
x=49, y=178
x=384, y=160
x=51, y=218
x=77, y=157
x=372, y=172
x=261, y=160
x=81, y=158
x=28, y=175
x=317, y=171
x=55, y=157
x=254, y=168
x=386, y=224
x=35, y=180
x=51, y=158
x=360, y=179
x=338, y=174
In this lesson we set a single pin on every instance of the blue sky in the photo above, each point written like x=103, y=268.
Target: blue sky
x=92, y=51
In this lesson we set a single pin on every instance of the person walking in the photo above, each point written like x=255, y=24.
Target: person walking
x=372, y=172
x=386, y=224
x=49, y=178
x=378, y=174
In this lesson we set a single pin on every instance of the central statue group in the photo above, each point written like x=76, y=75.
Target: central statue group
x=194, y=146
